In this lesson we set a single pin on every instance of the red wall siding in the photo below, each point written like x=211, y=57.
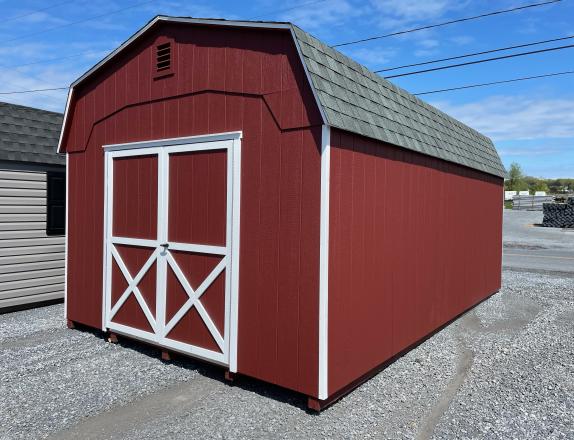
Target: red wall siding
x=225, y=79
x=414, y=241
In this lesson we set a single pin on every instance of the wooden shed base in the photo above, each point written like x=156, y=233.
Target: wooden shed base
x=318, y=405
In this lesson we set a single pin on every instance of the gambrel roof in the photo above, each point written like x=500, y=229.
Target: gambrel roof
x=352, y=98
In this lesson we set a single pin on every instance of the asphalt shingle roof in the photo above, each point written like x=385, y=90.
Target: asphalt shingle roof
x=357, y=100
x=29, y=135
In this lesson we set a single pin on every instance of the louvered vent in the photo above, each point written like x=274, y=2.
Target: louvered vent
x=163, y=57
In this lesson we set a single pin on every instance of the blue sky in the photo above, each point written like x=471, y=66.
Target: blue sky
x=531, y=122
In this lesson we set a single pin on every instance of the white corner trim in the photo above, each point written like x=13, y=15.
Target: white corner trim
x=68, y=101
x=66, y=234
x=324, y=263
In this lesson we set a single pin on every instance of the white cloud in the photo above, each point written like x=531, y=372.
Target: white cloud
x=395, y=13
x=33, y=78
x=314, y=17
x=462, y=40
x=521, y=152
x=516, y=117
x=375, y=57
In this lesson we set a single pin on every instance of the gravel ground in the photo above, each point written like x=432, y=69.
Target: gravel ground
x=503, y=370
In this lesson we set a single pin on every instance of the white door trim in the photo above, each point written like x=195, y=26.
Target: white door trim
x=227, y=342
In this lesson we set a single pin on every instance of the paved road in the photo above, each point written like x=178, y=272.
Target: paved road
x=539, y=260
x=528, y=247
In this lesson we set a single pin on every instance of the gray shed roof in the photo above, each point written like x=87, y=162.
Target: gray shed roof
x=29, y=134
x=357, y=100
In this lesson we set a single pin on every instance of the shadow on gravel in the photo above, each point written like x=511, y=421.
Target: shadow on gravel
x=213, y=372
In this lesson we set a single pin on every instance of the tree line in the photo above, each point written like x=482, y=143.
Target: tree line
x=517, y=181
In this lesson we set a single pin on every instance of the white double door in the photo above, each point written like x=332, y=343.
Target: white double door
x=168, y=245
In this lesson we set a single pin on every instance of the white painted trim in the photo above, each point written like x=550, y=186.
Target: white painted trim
x=187, y=349
x=128, y=241
x=231, y=143
x=66, y=237
x=66, y=113
x=173, y=142
x=162, y=226
x=235, y=240
x=201, y=248
x=107, y=263
x=324, y=264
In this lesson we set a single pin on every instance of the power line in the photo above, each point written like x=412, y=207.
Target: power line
x=33, y=91
x=117, y=11
x=467, y=55
x=17, y=17
x=47, y=60
x=458, y=20
x=472, y=86
x=486, y=60
x=287, y=9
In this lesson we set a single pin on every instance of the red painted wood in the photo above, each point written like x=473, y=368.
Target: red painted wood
x=414, y=241
x=134, y=257
x=198, y=197
x=135, y=197
x=278, y=338
x=191, y=329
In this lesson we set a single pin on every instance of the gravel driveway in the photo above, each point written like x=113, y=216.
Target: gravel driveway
x=504, y=370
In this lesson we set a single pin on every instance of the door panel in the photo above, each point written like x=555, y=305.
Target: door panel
x=134, y=258
x=168, y=247
x=198, y=197
x=131, y=243
x=135, y=196
x=201, y=323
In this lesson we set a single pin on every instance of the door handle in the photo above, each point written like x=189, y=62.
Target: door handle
x=164, y=245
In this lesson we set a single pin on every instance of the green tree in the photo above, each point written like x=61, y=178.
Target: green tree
x=541, y=185
x=516, y=180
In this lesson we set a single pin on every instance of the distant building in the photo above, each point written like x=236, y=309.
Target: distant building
x=32, y=206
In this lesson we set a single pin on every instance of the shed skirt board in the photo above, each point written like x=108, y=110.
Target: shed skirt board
x=168, y=246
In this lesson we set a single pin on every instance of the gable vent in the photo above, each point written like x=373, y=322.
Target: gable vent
x=163, y=57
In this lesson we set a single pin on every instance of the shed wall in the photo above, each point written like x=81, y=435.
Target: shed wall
x=414, y=241
x=224, y=80
x=31, y=262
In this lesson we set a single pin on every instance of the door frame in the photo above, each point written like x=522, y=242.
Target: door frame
x=233, y=221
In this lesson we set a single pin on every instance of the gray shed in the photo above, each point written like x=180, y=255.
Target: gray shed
x=32, y=206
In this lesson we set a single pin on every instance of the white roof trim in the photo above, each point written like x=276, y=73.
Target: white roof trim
x=214, y=22
x=68, y=101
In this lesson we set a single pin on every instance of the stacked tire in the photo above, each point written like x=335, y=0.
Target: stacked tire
x=559, y=215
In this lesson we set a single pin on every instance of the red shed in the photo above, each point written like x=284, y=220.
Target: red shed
x=242, y=193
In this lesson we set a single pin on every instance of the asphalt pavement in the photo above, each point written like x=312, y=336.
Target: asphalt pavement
x=532, y=248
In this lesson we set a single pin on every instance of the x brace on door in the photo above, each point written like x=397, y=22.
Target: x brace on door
x=165, y=252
